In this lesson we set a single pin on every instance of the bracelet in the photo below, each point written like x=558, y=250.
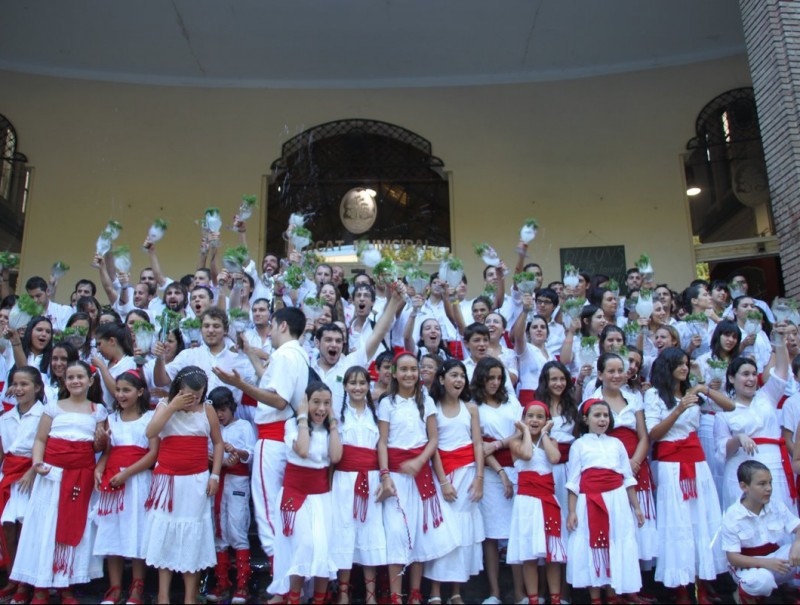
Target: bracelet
x=502, y=470
x=383, y=472
x=214, y=477
x=443, y=483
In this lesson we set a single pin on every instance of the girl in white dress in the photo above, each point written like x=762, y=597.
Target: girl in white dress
x=416, y=530
x=686, y=498
x=302, y=548
x=358, y=533
x=531, y=352
x=497, y=416
x=115, y=356
x=458, y=465
x=55, y=546
x=18, y=427
x=123, y=478
x=179, y=535
x=536, y=528
x=602, y=549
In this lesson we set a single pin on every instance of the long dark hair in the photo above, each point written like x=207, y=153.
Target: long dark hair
x=481, y=374
x=606, y=331
x=117, y=331
x=442, y=350
x=394, y=386
x=134, y=378
x=47, y=352
x=95, y=393
x=725, y=328
x=583, y=426
x=86, y=349
x=661, y=375
x=72, y=355
x=733, y=367
x=586, y=319
x=191, y=377
x=315, y=386
x=437, y=390
x=35, y=375
x=569, y=407
x=355, y=370
x=602, y=361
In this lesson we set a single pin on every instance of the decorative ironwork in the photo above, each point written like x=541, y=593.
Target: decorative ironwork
x=729, y=121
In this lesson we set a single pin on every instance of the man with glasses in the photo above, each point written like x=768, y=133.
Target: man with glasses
x=739, y=287
x=546, y=304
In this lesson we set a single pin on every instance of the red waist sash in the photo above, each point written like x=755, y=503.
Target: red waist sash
x=563, y=449
x=594, y=482
x=177, y=455
x=502, y=456
x=359, y=460
x=424, y=482
x=759, y=551
x=76, y=458
x=112, y=499
x=644, y=477
x=785, y=460
x=272, y=431
x=455, y=459
x=299, y=482
x=687, y=452
x=543, y=487
x=14, y=467
x=240, y=469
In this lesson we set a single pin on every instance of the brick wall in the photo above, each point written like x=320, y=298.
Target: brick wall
x=772, y=35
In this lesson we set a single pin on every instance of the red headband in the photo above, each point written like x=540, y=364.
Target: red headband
x=401, y=354
x=136, y=372
x=588, y=404
x=541, y=404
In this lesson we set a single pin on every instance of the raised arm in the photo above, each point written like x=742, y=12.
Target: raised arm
x=518, y=330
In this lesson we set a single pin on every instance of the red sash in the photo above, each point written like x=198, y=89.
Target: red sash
x=785, y=460
x=781, y=401
x=299, y=482
x=644, y=487
x=563, y=449
x=177, y=455
x=272, y=431
x=455, y=459
x=8, y=405
x=76, y=458
x=249, y=401
x=502, y=456
x=759, y=551
x=359, y=460
x=594, y=482
x=456, y=349
x=526, y=396
x=687, y=452
x=112, y=499
x=543, y=487
x=240, y=469
x=14, y=467
x=424, y=482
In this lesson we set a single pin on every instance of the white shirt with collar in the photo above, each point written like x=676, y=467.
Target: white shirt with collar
x=742, y=528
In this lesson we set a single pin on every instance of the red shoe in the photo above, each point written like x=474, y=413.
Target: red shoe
x=22, y=596
x=41, y=596
x=68, y=597
x=555, y=598
x=415, y=598
x=136, y=592
x=706, y=595
x=112, y=596
x=293, y=598
x=8, y=591
x=682, y=596
x=397, y=599
x=638, y=598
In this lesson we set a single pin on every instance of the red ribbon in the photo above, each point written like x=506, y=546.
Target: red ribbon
x=644, y=485
x=543, y=487
x=595, y=482
x=457, y=458
x=785, y=460
x=177, y=455
x=273, y=430
x=687, y=452
x=112, y=499
x=424, y=482
x=359, y=460
x=299, y=482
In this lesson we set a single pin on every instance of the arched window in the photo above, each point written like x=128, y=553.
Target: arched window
x=14, y=185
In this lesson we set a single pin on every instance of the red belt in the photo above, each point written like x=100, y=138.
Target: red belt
x=687, y=452
x=785, y=460
x=76, y=458
x=595, y=482
x=299, y=482
x=563, y=449
x=644, y=477
x=543, y=487
x=759, y=551
x=240, y=469
x=359, y=460
x=177, y=455
x=502, y=456
x=457, y=458
x=112, y=499
x=14, y=467
x=424, y=482
x=526, y=396
x=272, y=431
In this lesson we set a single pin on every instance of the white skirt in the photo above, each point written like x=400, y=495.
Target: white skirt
x=625, y=577
x=687, y=528
x=770, y=456
x=37, y=544
x=407, y=541
x=306, y=552
x=16, y=506
x=706, y=435
x=647, y=534
x=465, y=515
x=495, y=507
x=528, y=541
x=121, y=534
x=354, y=540
x=562, y=495
x=182, y=540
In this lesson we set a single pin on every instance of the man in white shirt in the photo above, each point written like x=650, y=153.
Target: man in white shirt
x=58, y=314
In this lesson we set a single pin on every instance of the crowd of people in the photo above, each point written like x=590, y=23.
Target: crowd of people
x=579, y=437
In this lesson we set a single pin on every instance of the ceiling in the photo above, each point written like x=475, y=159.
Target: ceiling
x=359, y=43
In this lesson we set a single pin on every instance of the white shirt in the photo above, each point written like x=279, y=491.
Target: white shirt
x=317, y=450
x=531, y=363
x=655, y=411
x=18, y=432
x=743, y=528
x=334, y=377
x=58, y=315
x=203, y=358
x=625, y=418
x=241, y=435
x=286, y=376
x=597, y=451
x=406, y=429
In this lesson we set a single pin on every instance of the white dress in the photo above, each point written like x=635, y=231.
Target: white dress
x=528, y=541
x=705, y=431
x=306, y=552
x=183, y=539
x=759, y=419
x=17, y=434
x=404, y=516
x=465, y=515
x=121, y=533
x=497, y=423
x=686, y=528
x=563, y=431
x=37, y=544
x=603, y=452
x=354, y=540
